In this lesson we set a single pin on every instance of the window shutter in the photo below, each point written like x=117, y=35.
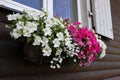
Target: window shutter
x=102, y=17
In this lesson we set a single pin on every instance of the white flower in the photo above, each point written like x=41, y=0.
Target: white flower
x=26, y=32
x=29, y=28
x=103, y=54
x=60, y=60
x=104, y=47
x=44, y=41
x=37, y=40
x=13, y=16
x=20, y=24
x=47, y=31
x=32, y=26
x=68, y=41
x=67, y=33
x=60, y=36
x=15, y=33
x=55, y=59
x=52, y=66
x=41, y=14
x=48, y=22
x=32, y=14
x=47, y=51
x=56, y=43
x=58, y=52
x=58, y=66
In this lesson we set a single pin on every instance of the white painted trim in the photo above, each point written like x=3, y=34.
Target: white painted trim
x=79, y=10
x=15, y=6
x=48, y=5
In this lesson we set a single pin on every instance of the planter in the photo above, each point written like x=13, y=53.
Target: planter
x=34, y=54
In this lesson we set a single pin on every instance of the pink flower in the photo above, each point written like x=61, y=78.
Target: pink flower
x=77, y=23
x=73, y=30
x=86, y=40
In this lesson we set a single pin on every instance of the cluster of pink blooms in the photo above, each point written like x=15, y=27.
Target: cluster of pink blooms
x=88, y=45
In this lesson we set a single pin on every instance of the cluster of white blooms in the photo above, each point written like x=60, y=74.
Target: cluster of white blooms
x=34, y=15
x=55, y=62
x=13, y=16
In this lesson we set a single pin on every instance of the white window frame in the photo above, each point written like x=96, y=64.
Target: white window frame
x=15, y=6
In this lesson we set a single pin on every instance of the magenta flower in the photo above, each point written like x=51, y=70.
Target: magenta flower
x=73, y=30
x=89, y=46
x=77, y=23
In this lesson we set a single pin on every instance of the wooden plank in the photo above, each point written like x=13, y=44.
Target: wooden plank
x=94, y=75
x=21, y=67
x=113, y=43
x=116, y=33
x=112, y=50
x=116, y=25
x=110, y=57
x=113, y=78
x=116, y=38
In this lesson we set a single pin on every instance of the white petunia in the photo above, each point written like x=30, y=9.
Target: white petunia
x=60, y=60
x=47, y=51
x=68, y=41
x=42, y=14
x=67, y=33
x=48, y=22
x=58, y=52
x=58, y=66
x=37, y=40
x=26, y=32
x=13, y=16
x=104, y=47
x=32, y=14
x=52, y=66
x=32, y=26
x=56, y=43
x=44, y=41
x=20, y=25
x=47, y=31
x=103, y=54
x=60, y=36
x=15, y=33
x=55, y=59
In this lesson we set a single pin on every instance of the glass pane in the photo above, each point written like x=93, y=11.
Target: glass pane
x=37, y=4
x=65, y=9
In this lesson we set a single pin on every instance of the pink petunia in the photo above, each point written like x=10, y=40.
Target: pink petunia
x=73, y=30
x=77, y=23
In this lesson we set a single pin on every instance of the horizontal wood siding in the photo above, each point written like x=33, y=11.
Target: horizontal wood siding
x=14, y=67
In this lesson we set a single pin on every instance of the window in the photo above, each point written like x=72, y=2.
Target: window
x=65, y=9
x=37, y=4
x=76, y=10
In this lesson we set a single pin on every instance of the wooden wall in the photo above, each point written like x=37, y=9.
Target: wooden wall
x=14, y=67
